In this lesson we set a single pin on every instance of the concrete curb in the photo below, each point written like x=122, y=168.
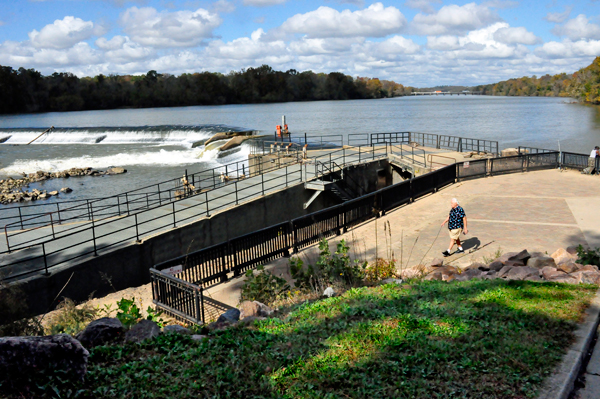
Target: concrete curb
x=561, y=383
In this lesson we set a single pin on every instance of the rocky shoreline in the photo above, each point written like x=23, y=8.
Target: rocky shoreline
x=11, y=190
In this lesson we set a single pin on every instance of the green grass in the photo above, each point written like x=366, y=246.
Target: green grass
x=476, y=339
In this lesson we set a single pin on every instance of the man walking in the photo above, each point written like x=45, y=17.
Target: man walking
x=592, y=161
x=457, y=221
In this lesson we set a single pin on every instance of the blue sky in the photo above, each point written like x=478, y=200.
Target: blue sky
x=414, y=42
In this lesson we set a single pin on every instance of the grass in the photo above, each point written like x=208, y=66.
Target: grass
x=476, y=339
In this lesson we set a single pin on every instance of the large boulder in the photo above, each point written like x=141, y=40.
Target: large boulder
x=590, y=268
x=568, y=267
x=504, y=271
x=522, y=257
x=539, y=262
x=254, y=309
x=549, y=272
x=495, y=266
x=437, y=262
x=572, y=250
x=561, y=256
x=231, y=316
x=478, y=265
x=176, y=329
x=145, y=329
x=115, y=171
x=522, y=273
x=468, y=275
x=445, y=273
x=565, y=278
x=509, y=152
x=26, y=356
x=587, y=277
x=101, y=331
x=505, y=257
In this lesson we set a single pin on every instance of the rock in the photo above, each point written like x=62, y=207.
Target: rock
x=115, y=171
x=66, y=190
x=218, y=325
x=568, y=267
x=264, y=310
x=565, y=278
x=572, y=250
x=505, y=257
x=391, y=281
x=231, y=316
x=55, y=192
x=509, y=152
x=587, y=277
x=522, y=273
x=176, y=329
x=539, y=262
x=145, y=329
x=329, y=292
x=504, y=271
x=198, y=337
x=437, y=262
x=561, y=256
x=248, y=309
x=589, y=268
x=100, y=332
x=32, y=355
x=517, y=263
x=533, y=277
x=521, y=257
x=492, y=274
x=495, y=265
x=479, y=266
x=549, y=272
x=442, y=273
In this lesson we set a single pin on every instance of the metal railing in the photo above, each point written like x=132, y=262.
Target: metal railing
x=58, y=247
x=415, y=155
x=207, y=266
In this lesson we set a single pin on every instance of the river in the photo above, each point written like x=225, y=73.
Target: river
x=155, y=144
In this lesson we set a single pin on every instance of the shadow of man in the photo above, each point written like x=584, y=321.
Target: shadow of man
x=471, y=243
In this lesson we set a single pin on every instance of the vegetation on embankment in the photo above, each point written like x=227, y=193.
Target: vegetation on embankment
x=583, y=85
x=26, y=90
x=478, y=338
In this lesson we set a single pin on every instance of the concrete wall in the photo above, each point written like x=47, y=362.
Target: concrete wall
x=128, y=265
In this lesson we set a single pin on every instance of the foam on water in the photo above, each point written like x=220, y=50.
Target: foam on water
x=161, y=157
x=158, y=135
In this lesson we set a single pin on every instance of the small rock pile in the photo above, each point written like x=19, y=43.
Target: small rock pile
x=11, y=189
x=560, y=267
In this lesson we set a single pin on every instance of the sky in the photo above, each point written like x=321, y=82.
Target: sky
x=413, y=42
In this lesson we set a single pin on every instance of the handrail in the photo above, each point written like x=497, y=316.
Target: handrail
x=431, y=162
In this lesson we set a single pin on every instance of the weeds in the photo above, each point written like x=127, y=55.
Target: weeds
x=380, y=270
x=130, y=314
x=494, y=256
x=72, y=319
x=263, y=286
x=589, y=256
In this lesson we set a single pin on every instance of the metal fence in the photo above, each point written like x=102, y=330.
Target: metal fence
x=183, y=297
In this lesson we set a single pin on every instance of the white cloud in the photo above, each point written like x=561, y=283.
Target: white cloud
x=263, y=3
x=120, y=50
x=169, y=29
x=307, y=46
x=569, y=49
x=578, y=28
x=423, y=5
x=454, y=19
x=64, y=33
x=443, y=43
x=559, y=17
x=244, y=48
x=519, y=35
x=374, y=21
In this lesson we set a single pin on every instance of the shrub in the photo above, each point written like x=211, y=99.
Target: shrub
x=380, y=270
x=72, y=319
x=129, y=313
x=588, y=257
x=263, y=286
x=329, y=269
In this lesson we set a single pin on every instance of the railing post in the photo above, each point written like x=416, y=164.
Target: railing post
x=45, y=258
x=460, y=144
x=262, y=180
x=127, y=203
x=202, y=303
x=197, y=303
x=147, y=201
x=286, y=176
x=236, y=192
x=295, y=236
x=174, y=222
x=88, y=206
x=359, y=153
x=52, y=225
x=94, y=236
x=159, y=199
x=137, y=231
x=6, y=235
x=21, y=219
x=206, y=200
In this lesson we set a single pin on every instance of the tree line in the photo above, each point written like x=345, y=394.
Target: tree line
x=583, y=85
x=27, y=90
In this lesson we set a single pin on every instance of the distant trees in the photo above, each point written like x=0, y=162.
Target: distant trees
x=583, y=85
x=26, y=90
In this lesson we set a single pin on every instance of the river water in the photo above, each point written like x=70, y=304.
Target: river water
x=155, y=144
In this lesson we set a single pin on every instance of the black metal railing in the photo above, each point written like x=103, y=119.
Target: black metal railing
x=277, y=241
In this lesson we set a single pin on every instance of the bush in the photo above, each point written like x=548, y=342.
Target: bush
x=129, y=314
x=380, y=270
x=71, y=319
x=329, y=270
x=588, y=257
x=14, y=313
x=263, y=286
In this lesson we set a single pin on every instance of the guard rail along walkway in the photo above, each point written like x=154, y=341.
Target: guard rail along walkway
x=178, y=285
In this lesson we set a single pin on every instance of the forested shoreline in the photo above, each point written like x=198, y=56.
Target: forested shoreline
x=583, y=85
x=27, y=90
